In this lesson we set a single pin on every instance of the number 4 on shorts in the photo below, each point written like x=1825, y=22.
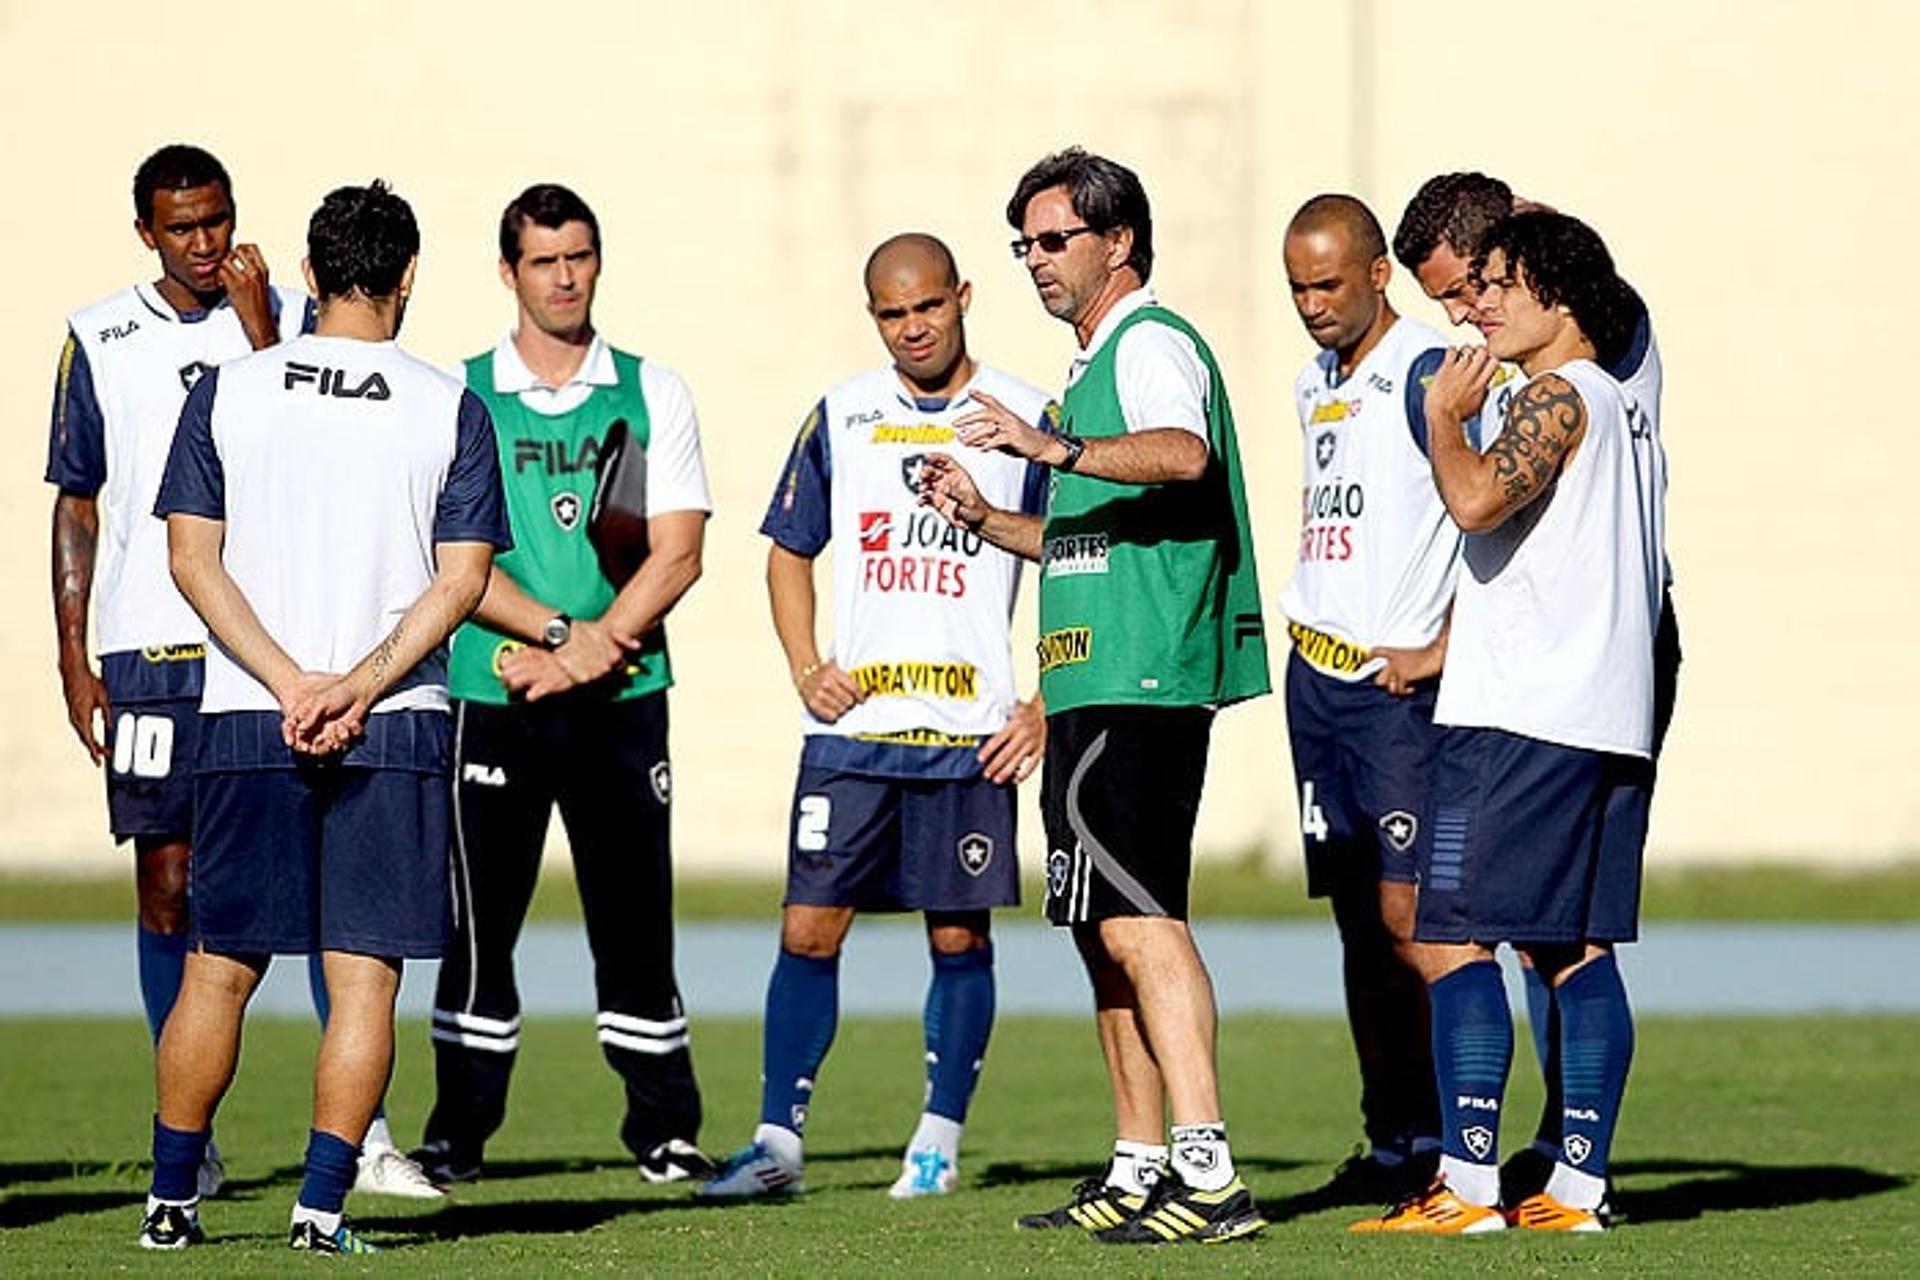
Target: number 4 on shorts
x=1313, y=819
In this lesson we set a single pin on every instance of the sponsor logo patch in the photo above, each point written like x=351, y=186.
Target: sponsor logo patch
x=876, y=530
x=1065, y=648
x=957, y=681
x=174, y=652
x=1400, y=828
x=976, y=852
x=1329, y=653
x=921, y=433
x=1075, y=553
x=485, y=775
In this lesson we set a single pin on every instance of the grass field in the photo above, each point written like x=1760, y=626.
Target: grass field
x=1748, y=1147
x=1222, y=889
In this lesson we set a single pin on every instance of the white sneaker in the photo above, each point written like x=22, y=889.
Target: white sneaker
x=752, y=1172
x=926, y=1171
x=213, y=1172
x=385, y=1171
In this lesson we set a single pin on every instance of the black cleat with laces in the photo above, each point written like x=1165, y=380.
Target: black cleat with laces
x=171, y=1226
x=1095, y=1206
x=1175, y=1212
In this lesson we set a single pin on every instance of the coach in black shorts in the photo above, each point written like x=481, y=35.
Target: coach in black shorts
x=1150, y=619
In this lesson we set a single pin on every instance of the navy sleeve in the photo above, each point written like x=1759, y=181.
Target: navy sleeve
x=77, y=444
x=473, y=506
x=1419, y=374
x=194, y=483
x=1635, y=355
x=800, y=516
x=309, y=315
x=1035, y=486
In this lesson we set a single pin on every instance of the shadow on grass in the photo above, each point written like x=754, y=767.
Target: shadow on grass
x=1724, y=1186
x=530, y=1217
x=21, y=1208
x=31, y=1209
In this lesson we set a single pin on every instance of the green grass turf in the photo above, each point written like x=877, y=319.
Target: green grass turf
x=1223, y=889
x=1749, y=1146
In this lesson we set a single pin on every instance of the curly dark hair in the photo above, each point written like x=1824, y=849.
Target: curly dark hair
x=175, y=167
x=361, y=238
x=1563, y=262
x=1457, y=208
x=1104, y=192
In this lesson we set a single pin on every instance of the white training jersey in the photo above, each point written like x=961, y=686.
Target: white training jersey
x=1554, y=616
x=1378, y=551
x=336, y=466
x=141, y=359
x=921, y=610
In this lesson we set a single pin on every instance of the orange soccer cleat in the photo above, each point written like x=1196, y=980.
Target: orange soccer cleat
x=1436, y=1211
x=1541, y=1212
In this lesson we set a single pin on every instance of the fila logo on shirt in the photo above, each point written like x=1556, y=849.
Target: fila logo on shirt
x=338, y=383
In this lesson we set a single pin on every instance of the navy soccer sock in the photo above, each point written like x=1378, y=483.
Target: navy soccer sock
x=1543, y=1020
x=176, y=1162
x=958, y=1020
x=1472, y=1050
x=163, y=958
x=1596, y=1048
x=331, y=1164
x=803, y=1010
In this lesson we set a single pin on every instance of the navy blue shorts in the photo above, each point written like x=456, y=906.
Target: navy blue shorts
x=1363, y=760
x=901, y=844
x=323, y=856
x=1529, y=842
x=150, y=752
x=153, y=739
x=1120, y=795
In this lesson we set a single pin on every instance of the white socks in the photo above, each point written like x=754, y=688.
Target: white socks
x=938, y=1133
x=782, y=1144
x=1136, y=1166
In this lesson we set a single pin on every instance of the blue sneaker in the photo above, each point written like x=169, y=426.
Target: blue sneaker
x=925, y=1171
x=307, y=1237
x=750, y=1173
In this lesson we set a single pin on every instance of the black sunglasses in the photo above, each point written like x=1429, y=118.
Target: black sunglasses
x=1050, y=241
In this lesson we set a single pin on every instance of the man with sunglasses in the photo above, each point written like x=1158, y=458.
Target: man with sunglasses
x=1150, y=621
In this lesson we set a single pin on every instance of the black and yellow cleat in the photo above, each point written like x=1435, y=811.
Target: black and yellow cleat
x=1175, y=1212
x=1095, y=1206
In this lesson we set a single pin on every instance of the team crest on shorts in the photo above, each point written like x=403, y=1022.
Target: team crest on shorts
x=1400, y=828
x=1479, y=1139
x=912, y=467
x=976, y=851
x=1578, y=1147
x=566, y=510
x=661, y=776
x=1058, y=865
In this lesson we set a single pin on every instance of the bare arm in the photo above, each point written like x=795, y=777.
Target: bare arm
x=329, y=717
x=827, y=691
x=76, y=537
x=1153, y=455
x=1544, y=426
x=1407, y=667
x=948, y=489
x=193, y=551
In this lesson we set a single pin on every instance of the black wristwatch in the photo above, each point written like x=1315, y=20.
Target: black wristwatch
x=558, y=630
x=1075, y=447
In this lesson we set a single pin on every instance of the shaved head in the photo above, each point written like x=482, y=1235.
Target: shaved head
x=1345, y=215
x=913, y=250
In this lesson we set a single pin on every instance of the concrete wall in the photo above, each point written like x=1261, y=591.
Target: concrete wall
x=1750, y=165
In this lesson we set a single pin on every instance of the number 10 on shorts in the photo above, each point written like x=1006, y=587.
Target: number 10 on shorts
x=143, y=745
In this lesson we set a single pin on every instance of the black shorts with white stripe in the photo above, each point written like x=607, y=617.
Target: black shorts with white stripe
x=1119, y=796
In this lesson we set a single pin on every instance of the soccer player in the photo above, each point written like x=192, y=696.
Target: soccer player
x=1540, y=799
x=332, y=508
x=126, y=368
x=1367, y=613
x=560, y=686
x=1442, y=228
x=1150, y=622
x=913, y=736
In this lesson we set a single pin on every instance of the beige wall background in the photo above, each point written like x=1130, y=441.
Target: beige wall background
x=1751, y=165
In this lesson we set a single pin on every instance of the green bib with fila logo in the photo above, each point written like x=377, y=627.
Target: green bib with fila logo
x=547, y=465
x=1148, y=594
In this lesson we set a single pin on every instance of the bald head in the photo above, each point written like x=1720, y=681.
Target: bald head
x=912, y=251
x=1346, y=217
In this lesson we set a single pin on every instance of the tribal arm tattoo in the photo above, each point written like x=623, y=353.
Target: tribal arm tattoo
x=76, y=538
x=1544, y=424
